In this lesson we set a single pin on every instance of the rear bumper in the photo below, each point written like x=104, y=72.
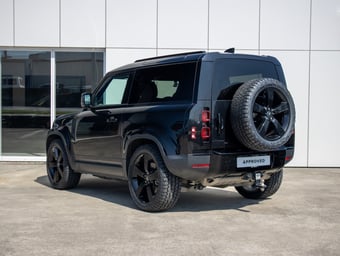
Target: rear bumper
x=222, y=163
x=218, y=164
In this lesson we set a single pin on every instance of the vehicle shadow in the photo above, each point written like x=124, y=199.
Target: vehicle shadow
x=117, y=192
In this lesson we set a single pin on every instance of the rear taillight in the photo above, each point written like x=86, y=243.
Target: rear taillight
x=204, y=131
x=205, y=116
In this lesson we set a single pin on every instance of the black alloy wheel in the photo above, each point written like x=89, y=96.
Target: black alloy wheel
x=145, y=178
x=152, y=186
x=271, y=113
x=263, y=114
x=59, y=173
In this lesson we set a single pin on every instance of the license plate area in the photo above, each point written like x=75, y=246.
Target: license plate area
x=252, y=161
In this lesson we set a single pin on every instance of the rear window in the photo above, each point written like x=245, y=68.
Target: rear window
x=230, y=73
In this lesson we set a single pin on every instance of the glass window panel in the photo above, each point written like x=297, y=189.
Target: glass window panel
x=113, y=92
x=164, y=83
x=25, y=106
x=76, y=72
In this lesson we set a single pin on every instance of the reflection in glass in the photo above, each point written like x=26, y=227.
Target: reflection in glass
x=77, y=72
x=25, y=81
x=26, y=94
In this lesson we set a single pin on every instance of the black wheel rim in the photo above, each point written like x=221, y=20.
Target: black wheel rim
x=145, y=178
x=56, y=164
x=271, y=114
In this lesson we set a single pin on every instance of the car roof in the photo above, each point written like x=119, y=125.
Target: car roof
x=191, y=56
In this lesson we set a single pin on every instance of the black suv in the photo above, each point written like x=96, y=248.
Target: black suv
x=188, y=120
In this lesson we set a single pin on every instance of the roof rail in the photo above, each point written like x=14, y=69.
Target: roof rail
x=171, y=55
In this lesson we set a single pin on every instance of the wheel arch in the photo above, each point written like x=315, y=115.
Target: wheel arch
x=64, y=137
x=135, y=141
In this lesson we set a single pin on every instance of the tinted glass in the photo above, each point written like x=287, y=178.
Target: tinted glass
x=230, y=73
x=113, y=91
x=25, y=81
x=26, y=94
x=76, y=72
x=164, y=84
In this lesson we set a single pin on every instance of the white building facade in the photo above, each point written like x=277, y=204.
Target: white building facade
x=53, y=50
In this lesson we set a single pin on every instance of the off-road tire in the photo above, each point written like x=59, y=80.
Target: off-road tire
x=59, y=172
x=262, y=114
x=272, y=186
x=152, y=187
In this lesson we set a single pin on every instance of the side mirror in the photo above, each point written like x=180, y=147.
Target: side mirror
x=86, y=100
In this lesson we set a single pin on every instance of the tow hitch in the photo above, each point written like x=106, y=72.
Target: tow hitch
x=259, y=181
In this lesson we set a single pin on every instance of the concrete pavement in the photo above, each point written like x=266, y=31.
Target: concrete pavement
x=99, y=218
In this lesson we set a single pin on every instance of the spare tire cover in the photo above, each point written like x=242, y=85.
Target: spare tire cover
x=262, y=114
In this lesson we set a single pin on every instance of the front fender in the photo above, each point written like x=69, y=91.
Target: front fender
x=64, y=136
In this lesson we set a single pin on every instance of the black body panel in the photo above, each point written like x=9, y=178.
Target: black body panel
x=191, y=129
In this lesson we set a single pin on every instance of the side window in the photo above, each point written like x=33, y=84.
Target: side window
x=113, y=91
x=164, y=83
